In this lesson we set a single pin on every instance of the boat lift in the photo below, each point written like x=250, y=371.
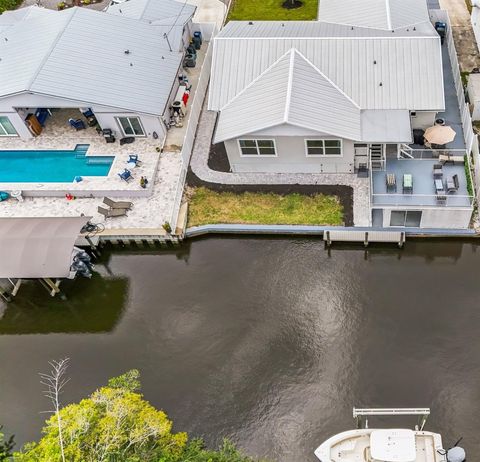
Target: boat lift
x=40, y=248
x=361, y=415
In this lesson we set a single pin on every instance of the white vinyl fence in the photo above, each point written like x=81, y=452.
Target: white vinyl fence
x=471, y=139
x=195, y=110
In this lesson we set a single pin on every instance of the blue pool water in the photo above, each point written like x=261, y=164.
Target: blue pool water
x=51, y=166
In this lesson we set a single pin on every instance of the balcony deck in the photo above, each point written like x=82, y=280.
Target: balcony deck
x=424, y=193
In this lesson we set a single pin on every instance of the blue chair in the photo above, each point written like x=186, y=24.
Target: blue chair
x=42, y=115
x=77, y=124
x=133, y=160
x=126, y=175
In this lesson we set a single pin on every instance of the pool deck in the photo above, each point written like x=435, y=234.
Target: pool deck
x=152, y=206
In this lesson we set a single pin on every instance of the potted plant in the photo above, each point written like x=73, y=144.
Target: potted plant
x=61, y=6
x=166, y=226
x=158, y=149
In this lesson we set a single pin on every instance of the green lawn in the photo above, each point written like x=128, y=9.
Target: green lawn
x=257, y=10
x=210, y=207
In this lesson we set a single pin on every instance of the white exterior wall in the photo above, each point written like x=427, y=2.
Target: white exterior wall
x=105, y=115
x=291, y=157
x=150, y=124
x=423, y=120
x=473, y=88
x=439, y=217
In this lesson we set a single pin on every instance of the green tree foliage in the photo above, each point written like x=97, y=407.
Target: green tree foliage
x=8, y=5
x=6, y=446
x=115, y=424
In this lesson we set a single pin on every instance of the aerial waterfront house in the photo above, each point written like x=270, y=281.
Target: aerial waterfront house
x=124, y=69
x=344, y=95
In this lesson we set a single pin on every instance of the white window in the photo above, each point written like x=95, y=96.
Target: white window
x=257, y=148
x=131, y=126
x=324, y=147
x=6, y=127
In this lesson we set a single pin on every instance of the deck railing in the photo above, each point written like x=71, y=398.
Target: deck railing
x=408, y=153
x=421, y=200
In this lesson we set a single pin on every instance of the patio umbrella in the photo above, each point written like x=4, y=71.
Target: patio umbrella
x=439, y=134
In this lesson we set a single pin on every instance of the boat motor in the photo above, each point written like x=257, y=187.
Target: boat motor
x=456, y=454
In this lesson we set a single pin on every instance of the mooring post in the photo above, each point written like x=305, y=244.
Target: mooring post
x=5, y=295
x=402, y=239
x=93, y=247
x=329, y=242
x=365, y=242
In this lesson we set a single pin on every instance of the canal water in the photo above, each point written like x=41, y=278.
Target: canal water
x=269, y=342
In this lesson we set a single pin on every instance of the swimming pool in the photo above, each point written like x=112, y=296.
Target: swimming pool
x=51, y=166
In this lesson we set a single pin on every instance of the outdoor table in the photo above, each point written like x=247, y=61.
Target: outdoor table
x=439, y=185
x=407, y=182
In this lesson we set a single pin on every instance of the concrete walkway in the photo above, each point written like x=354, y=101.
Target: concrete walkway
x=199, y=166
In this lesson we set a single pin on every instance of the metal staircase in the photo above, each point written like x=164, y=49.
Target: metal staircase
x=377, y=157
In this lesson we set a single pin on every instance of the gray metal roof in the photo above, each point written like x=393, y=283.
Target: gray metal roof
x=79, y=54
x=154, y=10
x=377, y=69
x=38, y=247
x=378, y=14
x=294, y=92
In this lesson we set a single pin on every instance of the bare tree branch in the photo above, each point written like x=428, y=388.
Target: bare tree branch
x=54, y=382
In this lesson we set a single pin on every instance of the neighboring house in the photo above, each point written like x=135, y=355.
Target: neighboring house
x=332, y=96
x=158, y=13
x=125, y=70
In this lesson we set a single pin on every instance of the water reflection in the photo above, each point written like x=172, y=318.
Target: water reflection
x=268, y=341
x=92, y=306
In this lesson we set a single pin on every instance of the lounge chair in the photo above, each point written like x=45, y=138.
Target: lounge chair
x=438, y=171
x=134, y=160
x=117, y=204
x=391, y=181
x=453, y=184
x=77, y=124
x=126, y=175
x=112, y=212
x=407, y=183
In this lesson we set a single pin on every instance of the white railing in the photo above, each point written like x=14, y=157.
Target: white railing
x=408, y=153
x=421, y=200
x=189, y=139
x=471, y=139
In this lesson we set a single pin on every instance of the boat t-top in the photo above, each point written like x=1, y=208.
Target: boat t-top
x=388, y=445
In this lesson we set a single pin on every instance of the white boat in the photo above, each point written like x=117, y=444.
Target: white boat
x=388, y=445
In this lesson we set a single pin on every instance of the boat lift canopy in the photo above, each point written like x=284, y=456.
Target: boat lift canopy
x=38, y=247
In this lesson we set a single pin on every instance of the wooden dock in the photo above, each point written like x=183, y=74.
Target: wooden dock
x=366, y=237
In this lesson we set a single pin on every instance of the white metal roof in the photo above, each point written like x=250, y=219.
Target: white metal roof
x=38, y=247
x=154, y=10
x=291, y=91
x=391, y=126
x=79, y=54
x=389, y=70
x=378, y=14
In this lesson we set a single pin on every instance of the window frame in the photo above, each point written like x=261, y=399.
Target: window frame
x=256, y=140
x=406, y=212
x=3, y=129
x=323, y=140
x=117, y=118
